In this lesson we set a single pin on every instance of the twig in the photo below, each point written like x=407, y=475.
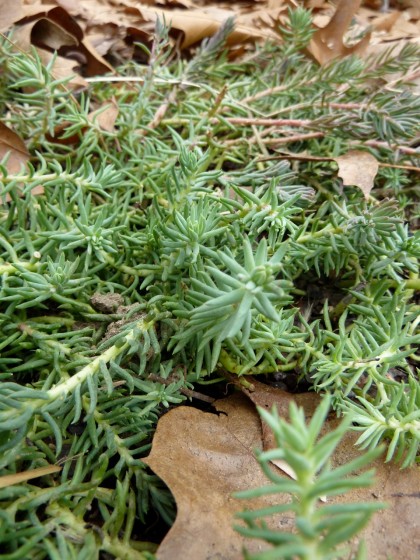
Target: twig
x=276, y=141
x=269, y=91
x=265, y=122
x=403, y=149
x=408, y=78
x=294, y=138
x=141, y=80
x=299, y=157
x=302, y=157
x=218, y=101
x=161, y=112
x=395, y=166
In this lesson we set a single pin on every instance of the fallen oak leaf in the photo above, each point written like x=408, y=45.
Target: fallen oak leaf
x=47, y=35
x=51, y=28
x=384, y=536
x=200, y=24
x=61, y=68
x=13, y=147
x=266, y=397
x=11, y=11
x=359, y=169
x=96, y=64
x=204, y=458
x=385, y=22
x=47, y=15
x=327, y=43
x=15, y=155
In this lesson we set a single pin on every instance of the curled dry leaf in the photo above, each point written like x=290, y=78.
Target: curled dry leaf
x=199, y=24
x=204, y=458
x=358, y=169
x=385, y=22
x=327, y=42
x=13, y=148
x=137, y=19
x=384, y=536
x=51, y=29
x=12, y=145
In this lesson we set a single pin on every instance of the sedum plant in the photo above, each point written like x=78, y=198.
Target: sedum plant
x=320, y=530
x=171, y=249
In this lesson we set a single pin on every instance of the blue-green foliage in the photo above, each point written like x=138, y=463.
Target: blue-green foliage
x=205, y=256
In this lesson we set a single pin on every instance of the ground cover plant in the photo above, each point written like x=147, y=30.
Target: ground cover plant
x=176, y=247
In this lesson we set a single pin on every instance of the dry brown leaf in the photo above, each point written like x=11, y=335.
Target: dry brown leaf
x=203, y=458
x=327, y=43
x=63, y=67
x=266, y=397
x=358, y=169
x=384, y=535
x=385, y=22
x=199, y=24
x=404, y=29
x=55, y=15
x=50, y=28
x=315, y=4
x=46, y=34
x=105, y=116
x=110, y=27
x=93, y=11
x=11, y=144
x=392, y=26
x=395, y=531
x=96, y=64
x=105, y=37
x=17, y=478
x=136, y=20
x=10, y=12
